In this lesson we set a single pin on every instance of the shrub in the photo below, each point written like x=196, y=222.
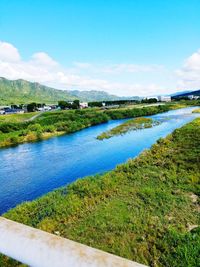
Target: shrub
x=35, y=127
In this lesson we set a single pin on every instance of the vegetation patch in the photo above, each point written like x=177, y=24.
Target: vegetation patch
x=146, y=210
x=17, y=129
x=196, y=110
x=17, y=117
x=130, y=125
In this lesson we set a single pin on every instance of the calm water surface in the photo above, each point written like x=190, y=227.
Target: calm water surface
x=31, y=170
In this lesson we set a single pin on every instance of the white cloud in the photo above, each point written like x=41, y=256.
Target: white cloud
x=8, y=52
x=193, y=62
x=130, y=68
x=82, y=65
x=189, y=74
x=44, y=69
x=44, y=59
x=118, y=68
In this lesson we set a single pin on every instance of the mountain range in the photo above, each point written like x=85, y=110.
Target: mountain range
x=22, y=91
x=180, y=93
x=185, y=94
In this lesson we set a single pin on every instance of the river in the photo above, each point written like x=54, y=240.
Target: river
x=33, y=169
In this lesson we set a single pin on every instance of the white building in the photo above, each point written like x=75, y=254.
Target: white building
x=190, y=97
x=193, y=97
x=45, y=108
x=83, y=105
x=164, y=98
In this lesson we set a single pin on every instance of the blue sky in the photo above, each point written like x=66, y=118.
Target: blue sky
x=129, y=47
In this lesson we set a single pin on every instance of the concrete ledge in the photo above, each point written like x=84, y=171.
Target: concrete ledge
x=41, y=249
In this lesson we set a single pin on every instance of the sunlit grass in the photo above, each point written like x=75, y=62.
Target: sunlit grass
x=16, y=117
x=196, y=110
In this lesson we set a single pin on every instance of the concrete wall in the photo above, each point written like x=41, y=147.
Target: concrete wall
x=41, y=249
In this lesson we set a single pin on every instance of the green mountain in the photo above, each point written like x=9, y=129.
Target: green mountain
x=93, y=95
x=186, y=94
x=21, y=91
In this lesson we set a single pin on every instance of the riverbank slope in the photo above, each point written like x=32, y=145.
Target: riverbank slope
x=50, y=124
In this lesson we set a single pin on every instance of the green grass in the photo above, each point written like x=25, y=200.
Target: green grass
x=130, y=125
x=143, y=210
x=7, y=136
x=16, y=117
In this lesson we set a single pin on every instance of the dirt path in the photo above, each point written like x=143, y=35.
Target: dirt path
x=35, y=116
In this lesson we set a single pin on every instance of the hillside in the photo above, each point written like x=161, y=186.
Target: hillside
x=180, y=93
x=93, y=95
x=186, y=93
x=21, y=91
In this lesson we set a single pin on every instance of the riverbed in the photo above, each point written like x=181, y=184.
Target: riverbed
x=33, y=169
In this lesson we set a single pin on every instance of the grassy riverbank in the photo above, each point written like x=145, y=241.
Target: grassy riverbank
x=196, y=110
x=15, y=130
x=131, y=125
x=17, y=117
x=146, y=210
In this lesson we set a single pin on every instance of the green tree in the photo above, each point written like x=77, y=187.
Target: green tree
x=31, y=107
x=76, y=104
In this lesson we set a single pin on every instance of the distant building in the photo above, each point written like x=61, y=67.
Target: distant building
x=54, y=107
x=2, y=110
x=13, y=111
x=193, y=97
x=83, y=105
x=40, y=109
x=163, y=98
x=45, y=108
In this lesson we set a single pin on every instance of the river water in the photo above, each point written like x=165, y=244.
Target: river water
x=33, y=169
